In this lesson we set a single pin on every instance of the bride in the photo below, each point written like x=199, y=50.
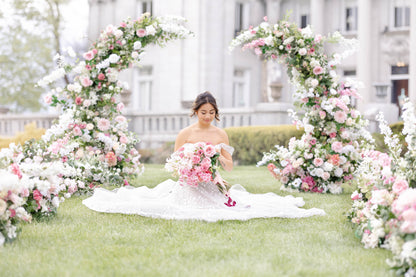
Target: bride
x=171, y=200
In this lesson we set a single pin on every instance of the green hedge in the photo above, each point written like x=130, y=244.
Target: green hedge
x=252, y=141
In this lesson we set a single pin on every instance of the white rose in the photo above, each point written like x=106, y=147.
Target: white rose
x=134, y=55
x=338, y=172
x=268, y=40
x=114, y=58
x=137, y=45
x=348, y=121
x=302, y=51
x=150, y=30
x=118, y=33
x=314, y=82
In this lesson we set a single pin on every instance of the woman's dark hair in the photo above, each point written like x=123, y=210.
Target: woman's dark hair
x=205, y=98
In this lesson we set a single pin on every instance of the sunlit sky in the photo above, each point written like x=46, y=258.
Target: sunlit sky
x=75, y=15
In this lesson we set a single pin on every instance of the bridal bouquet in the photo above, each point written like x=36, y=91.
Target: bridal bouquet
x=195, y=163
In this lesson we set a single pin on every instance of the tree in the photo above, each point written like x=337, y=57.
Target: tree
x=30, y=35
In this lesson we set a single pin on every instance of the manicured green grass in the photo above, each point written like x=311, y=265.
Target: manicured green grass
x=81, y=242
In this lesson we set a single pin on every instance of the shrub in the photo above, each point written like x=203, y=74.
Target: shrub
x=158, y=155
x=251, y=142
x=30, y=132
x=397, y=129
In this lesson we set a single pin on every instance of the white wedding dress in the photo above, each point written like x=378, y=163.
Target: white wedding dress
x=170, y=200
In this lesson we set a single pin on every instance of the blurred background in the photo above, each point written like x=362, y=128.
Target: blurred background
x=249, y=91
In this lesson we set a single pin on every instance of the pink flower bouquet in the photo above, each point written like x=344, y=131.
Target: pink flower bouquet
x=196, y=163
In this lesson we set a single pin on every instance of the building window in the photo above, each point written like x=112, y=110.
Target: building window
x=241, y=84
x=350, y=73
x=351, y=19
x=304, y=20
x=400, y=69
x=401, y=16
x=144, y=6
x=241, y=17
x=143, y=99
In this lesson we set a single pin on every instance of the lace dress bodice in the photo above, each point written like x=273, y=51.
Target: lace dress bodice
x=170, y=200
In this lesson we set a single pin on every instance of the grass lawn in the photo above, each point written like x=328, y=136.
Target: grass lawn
x=81, y=242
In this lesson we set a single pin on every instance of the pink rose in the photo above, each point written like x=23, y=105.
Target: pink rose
x=89, y=55
x=318, y=162
x=196, y=159
x=332, y=135
x=120, y=107
x=210, y=150
x=124, y=139
x=47, y=99
x=322, y=114
x=318, y=70
x=78, y=100
x=86, y=82
x=399, y=186
x=325, y=175
x=409, y=224
x=111, y=158
x=77, y=131
x=101, y=77
x=337, y=146
x=141, y=33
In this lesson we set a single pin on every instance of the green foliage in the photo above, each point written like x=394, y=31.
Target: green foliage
x=30, y=38
x=252, y=141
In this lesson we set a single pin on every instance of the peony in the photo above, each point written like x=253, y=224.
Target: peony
x=111, y=158
x=337, y=146
x=340, y=116
x=103, y=124
x=399, y=186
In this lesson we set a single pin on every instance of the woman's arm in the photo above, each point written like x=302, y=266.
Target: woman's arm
x=225, y=158
x=181, y=139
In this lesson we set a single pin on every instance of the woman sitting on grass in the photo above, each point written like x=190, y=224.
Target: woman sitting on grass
x=200, y=193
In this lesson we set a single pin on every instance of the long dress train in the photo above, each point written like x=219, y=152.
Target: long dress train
x=170, y=200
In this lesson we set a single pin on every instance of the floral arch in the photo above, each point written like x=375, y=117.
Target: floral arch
x=329, y=151
x=90, y=144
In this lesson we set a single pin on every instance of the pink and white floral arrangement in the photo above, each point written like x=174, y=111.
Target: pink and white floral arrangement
x=327, y=155
x=90, y=145
x=198, y=163
x=384, y=205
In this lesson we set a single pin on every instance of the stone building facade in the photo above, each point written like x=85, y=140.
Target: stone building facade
x=171, y=77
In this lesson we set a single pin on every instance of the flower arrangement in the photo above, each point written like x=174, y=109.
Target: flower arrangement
x=328, y=153
x=90, y=145
x=197, y=163
x=384, y=205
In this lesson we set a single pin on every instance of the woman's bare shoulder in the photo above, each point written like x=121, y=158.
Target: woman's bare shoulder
x=222, y=134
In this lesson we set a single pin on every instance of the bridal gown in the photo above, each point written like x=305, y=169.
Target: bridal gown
x=170, y=200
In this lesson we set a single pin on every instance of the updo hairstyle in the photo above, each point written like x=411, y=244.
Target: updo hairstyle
x=205, y=98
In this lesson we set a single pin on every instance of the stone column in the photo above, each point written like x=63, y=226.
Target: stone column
x=317, y=15
x=273, y=10
x=412, y=57
x=364, y=52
